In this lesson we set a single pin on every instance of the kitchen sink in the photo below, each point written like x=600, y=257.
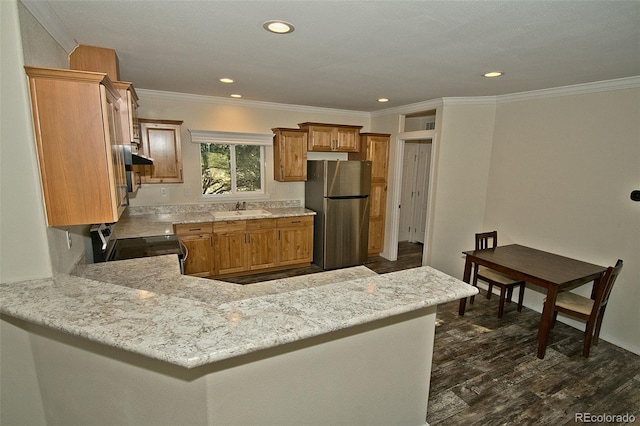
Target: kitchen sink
x=241, y=213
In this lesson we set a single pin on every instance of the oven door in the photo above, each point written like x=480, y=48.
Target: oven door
x=132, y=248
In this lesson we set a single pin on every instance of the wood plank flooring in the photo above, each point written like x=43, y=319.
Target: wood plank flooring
x=485, y=370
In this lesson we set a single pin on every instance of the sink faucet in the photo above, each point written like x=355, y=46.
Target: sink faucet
x=241, y=207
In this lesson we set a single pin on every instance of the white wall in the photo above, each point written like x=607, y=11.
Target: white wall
x=562, y=169
x=209, y=113
x=24, y=253
x=460, y=182
x=551, y=171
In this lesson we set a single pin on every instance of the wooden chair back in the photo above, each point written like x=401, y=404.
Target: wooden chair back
x=485, y=240
x=603, y=291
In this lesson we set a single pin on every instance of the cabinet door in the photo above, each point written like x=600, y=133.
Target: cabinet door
x=117, y=153
x=321, y=138
x=347, y=140
x=200, y=261
x=74, y=117
x=378, y=153
x=262, y=248
x=376, y=236
x=290, y=155
x=161, y=142
x=377, y=200
x=295, y=240
x=230, y=252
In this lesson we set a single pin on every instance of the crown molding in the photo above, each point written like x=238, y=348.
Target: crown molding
x=575, y=89
x=51, y=22
x=188, y=97
x=473, y=100
x=409, y=109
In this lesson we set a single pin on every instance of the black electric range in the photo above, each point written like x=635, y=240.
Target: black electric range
x=106, y=248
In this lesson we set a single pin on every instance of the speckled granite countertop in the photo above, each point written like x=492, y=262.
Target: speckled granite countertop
x=161, y=222
x=145, y=306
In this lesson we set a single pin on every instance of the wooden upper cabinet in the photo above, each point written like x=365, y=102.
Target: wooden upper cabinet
x=129, y=113
x=77, y=127
x=96, y=59
x=289, y=155
x=377, y=150
x=332, y=137
x=161, y=142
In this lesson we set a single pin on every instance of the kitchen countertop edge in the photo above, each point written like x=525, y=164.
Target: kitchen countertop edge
x=173, y=329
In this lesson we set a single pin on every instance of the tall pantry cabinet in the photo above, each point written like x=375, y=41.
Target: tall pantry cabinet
x=76, y=117
x=375, y=147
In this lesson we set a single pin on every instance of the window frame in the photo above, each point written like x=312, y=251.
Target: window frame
x=235, y=193
x=234, y=139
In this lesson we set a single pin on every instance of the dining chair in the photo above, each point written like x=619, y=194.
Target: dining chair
x=488, y=241
x=587, y=309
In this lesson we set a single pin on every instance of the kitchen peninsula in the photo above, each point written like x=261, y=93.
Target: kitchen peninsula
x=135, y=342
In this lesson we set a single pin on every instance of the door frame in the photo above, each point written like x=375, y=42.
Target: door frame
x=396, y=191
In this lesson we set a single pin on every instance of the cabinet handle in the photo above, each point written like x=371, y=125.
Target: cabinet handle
x=194, y=229
x=282, y=172
x=279, y=234
x=296, y=221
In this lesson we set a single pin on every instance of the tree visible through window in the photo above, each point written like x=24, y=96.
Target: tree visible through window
x=229, y=169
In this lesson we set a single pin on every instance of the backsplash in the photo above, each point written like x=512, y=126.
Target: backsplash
x=192, y=208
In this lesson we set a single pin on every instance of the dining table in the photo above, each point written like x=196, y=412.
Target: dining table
x=550, y=271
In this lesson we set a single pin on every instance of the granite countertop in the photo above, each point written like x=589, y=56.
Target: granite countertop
x=161, y=222
x=145, y=306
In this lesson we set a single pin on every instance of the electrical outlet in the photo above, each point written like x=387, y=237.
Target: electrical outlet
x=69, y=242
x=163, y=192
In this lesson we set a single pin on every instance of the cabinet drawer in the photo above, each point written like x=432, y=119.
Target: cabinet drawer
x=193, y=228
x=261, y=224
x=295, y=221
x=230, y=226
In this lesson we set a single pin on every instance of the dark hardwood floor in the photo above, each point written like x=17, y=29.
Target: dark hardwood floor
x=485, y=370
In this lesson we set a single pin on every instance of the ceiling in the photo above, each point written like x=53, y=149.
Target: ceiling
x=347, y=54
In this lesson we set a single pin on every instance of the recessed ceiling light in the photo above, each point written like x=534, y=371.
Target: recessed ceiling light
x=235, y=95
x=226, y=80
x=383, y=100
x=493, y=74
x=278, y=27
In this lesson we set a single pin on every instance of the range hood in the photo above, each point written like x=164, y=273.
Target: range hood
x=132, y=159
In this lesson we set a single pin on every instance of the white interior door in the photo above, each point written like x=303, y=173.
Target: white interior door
x=406, y=197
x=420, y=191
x=414, y=197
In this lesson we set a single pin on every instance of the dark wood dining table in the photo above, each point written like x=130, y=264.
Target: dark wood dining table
x=553, y=272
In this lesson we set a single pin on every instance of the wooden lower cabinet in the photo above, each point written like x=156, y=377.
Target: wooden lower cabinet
x=229, y=243
x=295, y=240
x=199, y=262
x=198, y=238
x=261, y=239
x=376, y=236
x=251, y=246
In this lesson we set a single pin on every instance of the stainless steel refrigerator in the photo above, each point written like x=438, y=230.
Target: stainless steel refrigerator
x=339, y=192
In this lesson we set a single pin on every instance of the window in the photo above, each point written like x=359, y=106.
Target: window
x=232, y=164
x=230, y=169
